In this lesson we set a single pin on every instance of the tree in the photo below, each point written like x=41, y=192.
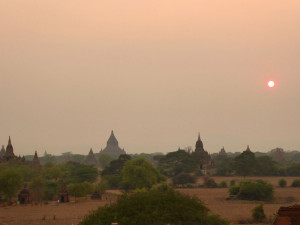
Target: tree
x=159, y=206
x=112, y=173
x=74, y=172
x=52, y=173
x=105, y=159
x=223, y=166
x=80, y=189
x=177, y=162
x=102, y=187
x=10, y=182
x=184, y=178
x=76, y=190
x=37, y=187
x=50, y=190
x=293, y=169
x=282, y=183
x=245, y=163
x=140, y=173
x=265, y=166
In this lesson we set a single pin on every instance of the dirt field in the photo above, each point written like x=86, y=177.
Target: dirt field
x=215, y=199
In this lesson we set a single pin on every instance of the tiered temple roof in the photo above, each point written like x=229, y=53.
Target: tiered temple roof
x=9, y=153
x=90, y=159
x=222, y=152
x=36, y=161
x=2, y=151
x=204, y=159
x=112, y=146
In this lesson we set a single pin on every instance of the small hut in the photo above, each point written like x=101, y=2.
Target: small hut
x=63, y=194
x=24, y=196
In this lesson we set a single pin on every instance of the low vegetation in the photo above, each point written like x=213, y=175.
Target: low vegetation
x=159, y=206
x=252, y=190
x=258, y=213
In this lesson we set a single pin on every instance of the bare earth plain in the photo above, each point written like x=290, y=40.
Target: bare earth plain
x=214, y=198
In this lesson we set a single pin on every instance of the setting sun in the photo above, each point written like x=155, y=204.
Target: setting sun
x=271, y=83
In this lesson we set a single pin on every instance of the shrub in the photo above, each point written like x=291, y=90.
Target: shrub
x=223, y=184
x=296, y=183
x=184, y=178
x=252, y=190
x=282, y=183
x=159, y=206
x=234, y=190
x=210, y=183
x=232, y=182
x=258, y=213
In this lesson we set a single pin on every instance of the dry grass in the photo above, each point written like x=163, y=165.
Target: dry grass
x=215, y=199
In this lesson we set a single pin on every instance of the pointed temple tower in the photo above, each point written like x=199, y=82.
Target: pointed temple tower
x=222, y=152
x=248, y=149
x=36, y=161
x=9, y=154
x=112, y=146
x=199, y=145
x=91, y=159
x=2, y=151
x=204, y=160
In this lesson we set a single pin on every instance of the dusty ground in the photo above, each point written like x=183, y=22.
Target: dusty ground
x=215, y=199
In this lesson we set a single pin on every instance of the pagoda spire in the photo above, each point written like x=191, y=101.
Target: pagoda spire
x=9, y=141
x=199, y=139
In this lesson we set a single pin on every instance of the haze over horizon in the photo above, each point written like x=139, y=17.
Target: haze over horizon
x=155, y=72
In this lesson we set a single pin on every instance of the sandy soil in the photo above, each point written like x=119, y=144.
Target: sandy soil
x=215, y=199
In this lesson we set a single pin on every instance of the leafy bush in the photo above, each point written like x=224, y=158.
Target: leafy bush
x=282, y=182
x=184, y=178
x=232, y=182
x=258, y=213
x=223, y=184
x=159, y=206
x=234, y=190
x=210, y=183
x=252, y=190
x=296, y=183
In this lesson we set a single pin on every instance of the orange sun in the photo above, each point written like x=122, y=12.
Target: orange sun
x=271, y=83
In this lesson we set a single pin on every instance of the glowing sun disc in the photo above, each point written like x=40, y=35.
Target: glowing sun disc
x=271, y=83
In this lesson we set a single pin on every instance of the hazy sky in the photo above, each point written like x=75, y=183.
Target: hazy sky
x=156, y=72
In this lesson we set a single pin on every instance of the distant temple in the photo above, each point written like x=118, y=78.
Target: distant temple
x=63, y=194
x=112, y=146
x=222, y=152
x=8, y=154
x=202, y=156
x=91, y=159
x=24, y=196
x=36, y=161
x=2, y=151
x=248, y=149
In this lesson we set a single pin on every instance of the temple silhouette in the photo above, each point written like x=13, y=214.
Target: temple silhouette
x=112, y=146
